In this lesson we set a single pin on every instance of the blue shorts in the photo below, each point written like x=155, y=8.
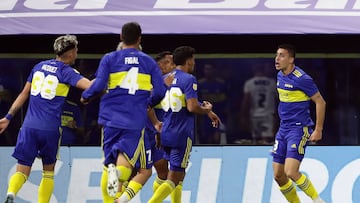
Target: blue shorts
x=156, y=153
x=128, y=142
x=290, y=142
x=32, y=143
x=178, y=157
x=148, y=153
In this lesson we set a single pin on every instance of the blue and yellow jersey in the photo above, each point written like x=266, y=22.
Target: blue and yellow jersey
x=295, y=91
x=150, y=130
x=50, y=82
x=128, y=76
x=71, y=112
x=216, y=93
x=178, y=123
x=213, y=91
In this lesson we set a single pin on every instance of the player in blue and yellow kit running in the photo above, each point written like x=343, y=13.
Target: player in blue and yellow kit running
x=47, y=87
x=151, y=139
x=128, y=77
x=295, y=89
x=180, y=105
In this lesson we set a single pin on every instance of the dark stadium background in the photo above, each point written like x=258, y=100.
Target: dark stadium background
x=337, y=79
x=211, y=43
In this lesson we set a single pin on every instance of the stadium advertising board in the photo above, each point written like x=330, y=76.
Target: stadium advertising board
x=180, y=16
x=239, y=174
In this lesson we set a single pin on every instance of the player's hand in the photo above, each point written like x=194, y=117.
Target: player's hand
x=315, y=136
x=169, y=79
x=158, y=127
x=207, y=105
x=3, y=124
x=72, y=124
x=158, y=140
x=215, y=120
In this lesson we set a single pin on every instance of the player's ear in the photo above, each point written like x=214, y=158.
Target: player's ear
x=292, y=59
x=188, y=62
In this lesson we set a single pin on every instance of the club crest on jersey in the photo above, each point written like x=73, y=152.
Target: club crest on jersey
x=195, y=86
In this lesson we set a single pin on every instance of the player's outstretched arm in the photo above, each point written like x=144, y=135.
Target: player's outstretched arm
x=193, y=106
x=215, y=120
x=18, y=103
x=84, y=83
x=4, y=122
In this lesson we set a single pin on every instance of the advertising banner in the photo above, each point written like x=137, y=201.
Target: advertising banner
x=236, y=174
x=180, y=16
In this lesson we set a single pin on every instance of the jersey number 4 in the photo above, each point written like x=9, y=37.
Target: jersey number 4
x=130, y=81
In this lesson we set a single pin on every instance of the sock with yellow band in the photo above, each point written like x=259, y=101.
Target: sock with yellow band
x=16, y=181
x=131, y=190
x=176, y=194
x=162, y=192
x=289, y=191
x=306, y=185
x=125, y=173
x=157, y=182
x=46, y=186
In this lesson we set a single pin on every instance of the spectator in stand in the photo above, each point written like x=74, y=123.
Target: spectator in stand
x=258, y=106
x=213, y=89
x=72, y=124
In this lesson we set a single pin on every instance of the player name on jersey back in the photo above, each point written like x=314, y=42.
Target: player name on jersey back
x=131, y=60
x=49, y=68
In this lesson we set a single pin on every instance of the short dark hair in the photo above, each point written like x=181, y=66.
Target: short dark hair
x=130, y=33
x=162, y=55
x=64, y=43
x=183, y=53
x=290, y=48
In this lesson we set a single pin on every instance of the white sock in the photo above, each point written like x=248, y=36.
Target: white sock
x=123, y=198
x=318, y=200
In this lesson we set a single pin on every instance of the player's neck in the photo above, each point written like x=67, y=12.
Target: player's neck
x=65, y=60
x=288, y=69
x=133, y=46
x=183, y=68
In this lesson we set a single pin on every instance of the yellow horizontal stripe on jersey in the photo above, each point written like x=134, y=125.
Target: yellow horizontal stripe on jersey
x=62, y=90
x=143, y=80
x=158, y=106
x=292, y=96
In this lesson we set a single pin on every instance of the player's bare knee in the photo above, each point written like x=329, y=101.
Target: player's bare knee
x=280, y=178
x=292, y=174
x=146, y=172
